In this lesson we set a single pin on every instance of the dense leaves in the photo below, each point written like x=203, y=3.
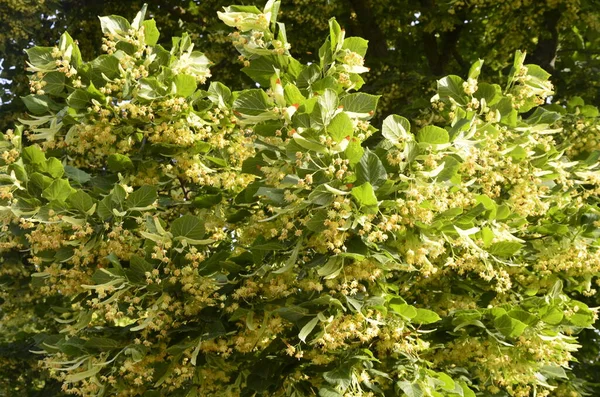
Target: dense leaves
x=165, y=234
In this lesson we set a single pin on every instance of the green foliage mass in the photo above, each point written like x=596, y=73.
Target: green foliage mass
x=164, y=233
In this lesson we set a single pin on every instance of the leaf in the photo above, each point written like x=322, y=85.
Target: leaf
x=78, y=99
x=292, y=95
x=185, y=85
x=307, y=329
x=360, y=104
x=142, y=197
x=33, y=155
x=207, y=200
x=433, y=135
x=410, y=389
x=505, y=248
x=77, y=175
x=219, y=94
x=107, y=65
x=553, y=372
x=452, y=87
x=354, y=151
x=327, y=391
x=252, y=102
x=370, y=169
x=55, y=83
x=102, y=344
x=41, y=57
x=115, y=25
x=365, y=195
x=37, y=104
x=341, y=375
x=151, y=33
x=331, y=269
x=356, y=44
x=552, y=315
x=58, y=190
x=403, y=309
x=54, y=167
x=81, y=201
x=396, y=129
x=425, y=316
x=509, y=326
x=119, y=162
x=79, y=376
x=105, y=207
x=188, y=226
x=475, y=69
x=340, y=127
x=316, y=222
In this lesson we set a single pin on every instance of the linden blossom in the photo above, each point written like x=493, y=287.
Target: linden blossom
x=165, y=238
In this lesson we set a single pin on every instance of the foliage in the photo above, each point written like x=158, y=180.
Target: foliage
x=164, y=239
x=424, y=40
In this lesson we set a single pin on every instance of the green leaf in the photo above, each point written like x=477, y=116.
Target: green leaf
x=505, y=248
x=77, y=175
x=332, y=268
x=403, y=309
x=54, y=167
x=252, y=102
x=327, y=391
x=360, y=105
x=475, y=69
x=188, y=226
x=33, y=155
x=150, y=89
x=509, y=326
x=102, y=344
x=207, y=200
x=55, y=83
x=356, y=44
x=341, y=375
x=410, y=389
x=553, y=372
x=365, y=195
x=396, y=129
x=317, y=222
x=552, y=315
x=452, y=87
x=142, y=197
x=115, y=25
x=292, y=95
x=81, y=201
x=41, y=57
x=37, y=104
x=425, y=316
x=105, y=207
x=78, y=99
x=219, y=94
x=433, y=135
x=107, y=65
x=119, y=162
x=370, y=169
x=185, y=85
x=354, y=151
x=151, y=33
x=58, y=190
x=340, y=127
x=307, y=329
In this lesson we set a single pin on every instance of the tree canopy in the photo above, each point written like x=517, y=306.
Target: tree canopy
x=240, y=210
x=411, y=42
